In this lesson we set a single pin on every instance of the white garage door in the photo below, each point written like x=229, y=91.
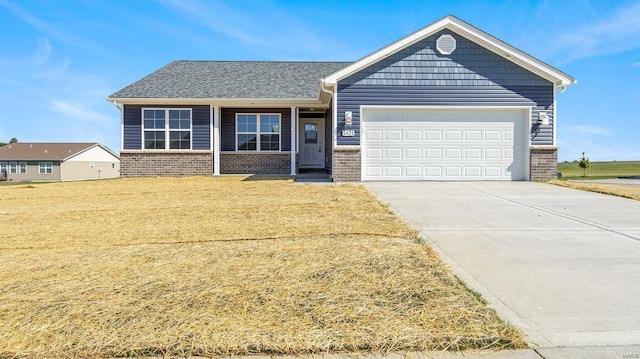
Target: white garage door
x=437, y=144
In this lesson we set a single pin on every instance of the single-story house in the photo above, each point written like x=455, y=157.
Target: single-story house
x=50, y=162
x=447, y=102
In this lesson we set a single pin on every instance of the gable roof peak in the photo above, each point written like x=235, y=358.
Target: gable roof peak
x=470, y=32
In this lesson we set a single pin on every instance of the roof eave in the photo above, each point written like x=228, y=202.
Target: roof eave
x=218, y=101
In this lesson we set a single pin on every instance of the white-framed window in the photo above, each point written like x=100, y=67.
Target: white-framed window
x=45, y=168
x=258, y=132
x=166, y=128
x=3, y=168
x=23, y=167
x=13, y=167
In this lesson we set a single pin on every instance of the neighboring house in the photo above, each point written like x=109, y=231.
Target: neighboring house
x=448, y=102
x=47, y=162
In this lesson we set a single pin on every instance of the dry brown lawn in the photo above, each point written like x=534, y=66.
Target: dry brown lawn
x=223, y=266
x=632, y=192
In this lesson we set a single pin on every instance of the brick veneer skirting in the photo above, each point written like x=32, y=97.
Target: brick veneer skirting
x=346, y=165
x=255, y=163
x=155, y=164
x=544, y=163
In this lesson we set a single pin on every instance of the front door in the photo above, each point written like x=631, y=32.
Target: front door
x=311, y=143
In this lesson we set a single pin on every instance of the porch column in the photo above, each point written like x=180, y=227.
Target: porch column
x=293, y=140
x=216, y=140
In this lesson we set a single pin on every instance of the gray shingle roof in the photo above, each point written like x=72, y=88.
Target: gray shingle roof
x=43, y=151
x=232, y=79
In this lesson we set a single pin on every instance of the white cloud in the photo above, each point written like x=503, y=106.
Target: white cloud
x=245, y=22
x=615, y=33
x=52, y=31
x=636, y=64
x=78, y=111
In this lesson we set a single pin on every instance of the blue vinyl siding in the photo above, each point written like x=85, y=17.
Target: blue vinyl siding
x=200, y=126
x=132, y=127
x=228, y=126
x=419, y=76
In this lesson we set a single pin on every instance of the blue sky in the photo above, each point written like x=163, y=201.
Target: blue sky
x=59, y=60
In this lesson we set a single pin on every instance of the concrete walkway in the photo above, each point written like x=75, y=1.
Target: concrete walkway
x=562, y=264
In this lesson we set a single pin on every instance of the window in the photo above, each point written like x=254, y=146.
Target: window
x=45, y=168
x=166, y=129
x=13, y=167
x=258, y=132
x=3, y=168
x=23, y=167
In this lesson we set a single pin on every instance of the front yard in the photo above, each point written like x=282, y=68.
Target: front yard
x=221, y=266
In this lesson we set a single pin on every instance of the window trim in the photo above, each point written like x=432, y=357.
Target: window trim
x=22, y=166
x=4, y=168
x=167, y=130
x=13, y=168
x=46, y=165
x=258, y=132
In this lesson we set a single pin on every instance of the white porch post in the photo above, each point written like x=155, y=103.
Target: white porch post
x=293, y=140
x=216, y=140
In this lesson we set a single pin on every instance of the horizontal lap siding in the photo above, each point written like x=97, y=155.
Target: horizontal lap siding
x=132, y=127
x=200, y=122
x=420, y=76
x=201, y=127
x=228, y=126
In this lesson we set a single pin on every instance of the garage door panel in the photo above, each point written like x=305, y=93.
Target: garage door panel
x=453, y=153
x=373, y=153
x=434, y=135
x=393, y=153
x=453, y=135
x=393, y=135
x=434, y=153
x=413, y=135
x=473, y=153
x=413, y=153
x=414, y=171
x=473, y=135
x=373, y=135
x=492, y=135
x=473, y=144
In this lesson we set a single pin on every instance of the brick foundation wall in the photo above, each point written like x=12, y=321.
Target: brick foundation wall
x=544, y=163
x=255, y=163
x=346, y=165
x=159, y=164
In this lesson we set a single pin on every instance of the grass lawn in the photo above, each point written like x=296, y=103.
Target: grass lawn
x=632, y=192
x=222, y=266
x=598, y=170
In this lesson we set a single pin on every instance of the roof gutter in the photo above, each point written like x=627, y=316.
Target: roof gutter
x=323, y=89
x=270, y=102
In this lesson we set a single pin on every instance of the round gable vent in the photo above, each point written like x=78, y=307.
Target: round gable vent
x=446, y=44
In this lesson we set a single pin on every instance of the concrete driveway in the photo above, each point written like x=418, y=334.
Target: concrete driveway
x=562, y=264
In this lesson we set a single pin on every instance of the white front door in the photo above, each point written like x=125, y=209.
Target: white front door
x=311, y=143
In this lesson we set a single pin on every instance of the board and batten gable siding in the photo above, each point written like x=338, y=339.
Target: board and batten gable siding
x=420, y=76
x=200, y=126
x=228, y=126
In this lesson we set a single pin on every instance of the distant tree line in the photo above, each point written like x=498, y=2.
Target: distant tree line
x=13, y=140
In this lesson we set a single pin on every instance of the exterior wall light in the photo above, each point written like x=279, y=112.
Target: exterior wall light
x=348, y=118
x=543, y=118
